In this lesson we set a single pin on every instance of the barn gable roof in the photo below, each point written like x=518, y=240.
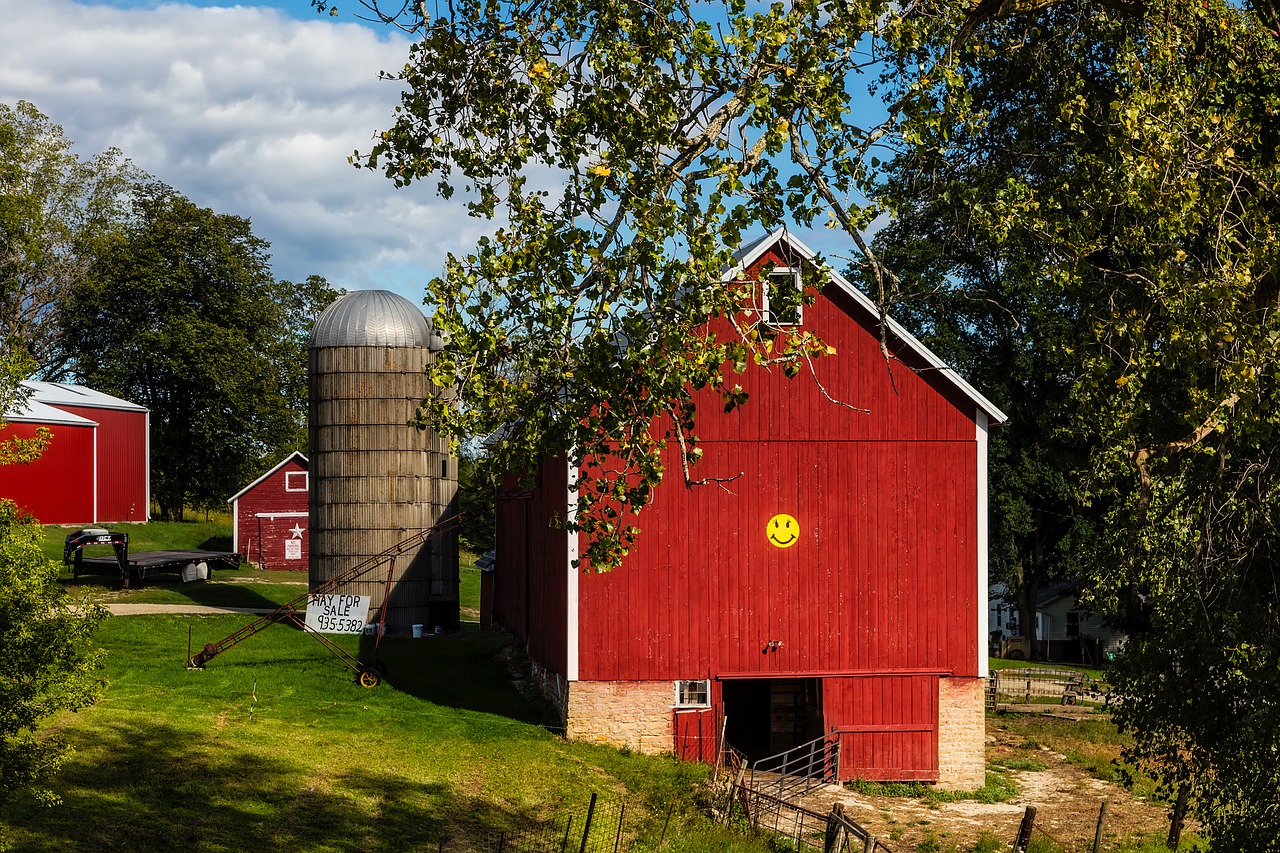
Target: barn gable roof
x=35, y=412
x=297, y=454
x=748, y=254
x=66, y=394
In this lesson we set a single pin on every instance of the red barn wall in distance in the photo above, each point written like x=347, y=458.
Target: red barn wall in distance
x=57, y=488
x=97, y=468
x=269, y=516
x=869, y=627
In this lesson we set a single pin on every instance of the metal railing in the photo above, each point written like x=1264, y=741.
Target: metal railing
x=797, y=771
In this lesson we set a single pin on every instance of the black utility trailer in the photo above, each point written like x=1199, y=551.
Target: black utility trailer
x=190, y=565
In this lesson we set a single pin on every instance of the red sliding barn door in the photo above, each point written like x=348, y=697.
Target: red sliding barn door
x=888, y=725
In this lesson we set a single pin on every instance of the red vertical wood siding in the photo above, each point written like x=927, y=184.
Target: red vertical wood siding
x=265, y=541
x=57, y=488
x=694, y=730
x=122, y=462
x=530, y=573
x=879, y=595
x=888, y=726
x=882, y=577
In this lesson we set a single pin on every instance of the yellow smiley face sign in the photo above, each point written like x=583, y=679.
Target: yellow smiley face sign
x=782, y=530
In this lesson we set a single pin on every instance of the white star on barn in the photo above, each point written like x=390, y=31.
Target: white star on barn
x=296, y=530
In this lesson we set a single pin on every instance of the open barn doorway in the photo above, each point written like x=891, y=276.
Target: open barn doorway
x=766, y=716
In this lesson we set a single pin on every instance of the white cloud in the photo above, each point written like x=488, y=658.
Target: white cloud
x=247, y=111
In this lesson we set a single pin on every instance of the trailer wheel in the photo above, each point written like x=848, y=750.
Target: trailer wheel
x=369, y=678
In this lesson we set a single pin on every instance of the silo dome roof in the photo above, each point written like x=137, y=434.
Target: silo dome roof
x=372, y=318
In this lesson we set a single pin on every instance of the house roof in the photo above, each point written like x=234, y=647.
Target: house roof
x=297, y=454
x=753, y=251
x=66, y=394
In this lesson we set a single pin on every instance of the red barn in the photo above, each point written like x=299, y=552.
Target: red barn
x=837, y=586
x=97, y=468
x=269, y=517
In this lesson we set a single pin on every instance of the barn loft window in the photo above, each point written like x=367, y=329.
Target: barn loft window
x=781, y=303
x=693, y=694
x=295, y=481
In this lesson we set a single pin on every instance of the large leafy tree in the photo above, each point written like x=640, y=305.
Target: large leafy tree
x=47, y=660
x=180, y=313
x=983, y=308
x=1125, y=158
x=624, y=150
x=1114, y=160
x=54, y=206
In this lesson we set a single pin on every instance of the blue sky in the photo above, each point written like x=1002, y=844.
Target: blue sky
x=250, y=109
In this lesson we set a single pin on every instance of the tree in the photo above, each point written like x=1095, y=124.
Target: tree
x=47, y=661
x=1125, y=157
x=53, y=208
x=627, y=148
x=978, y=305
x=180, y=313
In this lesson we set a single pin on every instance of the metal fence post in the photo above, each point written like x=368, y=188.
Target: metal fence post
x=617, y=839
x=564, y=845
x=586, y=830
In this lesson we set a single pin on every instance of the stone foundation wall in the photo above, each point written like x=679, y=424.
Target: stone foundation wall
x=962, y=734
x=634, y=714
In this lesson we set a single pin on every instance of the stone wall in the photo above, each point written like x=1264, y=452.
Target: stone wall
x=962, y=734
x=634, y=714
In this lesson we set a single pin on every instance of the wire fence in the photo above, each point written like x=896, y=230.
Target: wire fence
x=598, y=827
x=804, y=830
x=1033, y=685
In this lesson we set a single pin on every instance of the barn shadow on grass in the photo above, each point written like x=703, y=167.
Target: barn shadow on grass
x=159, y=788
x=471, y=670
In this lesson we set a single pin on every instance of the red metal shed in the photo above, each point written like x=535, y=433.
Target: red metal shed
x=836, y=587
x=97, y=468
x=269, y=516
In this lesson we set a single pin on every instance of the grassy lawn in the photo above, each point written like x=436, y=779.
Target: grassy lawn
x=213, y=535
x=1005, y=664
x=273, y=746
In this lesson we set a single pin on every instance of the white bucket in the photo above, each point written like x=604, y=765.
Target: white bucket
x=417, y=632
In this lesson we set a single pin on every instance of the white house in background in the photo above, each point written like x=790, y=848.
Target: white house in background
x=1073, y=634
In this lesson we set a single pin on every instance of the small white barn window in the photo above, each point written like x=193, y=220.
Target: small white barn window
x=781, y=302
x=693, y=694
x=295, y=481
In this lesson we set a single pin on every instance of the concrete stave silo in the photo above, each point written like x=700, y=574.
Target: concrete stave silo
x=375, y=480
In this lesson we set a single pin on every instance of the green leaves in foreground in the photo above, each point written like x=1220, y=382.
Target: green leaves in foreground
x=47, y=661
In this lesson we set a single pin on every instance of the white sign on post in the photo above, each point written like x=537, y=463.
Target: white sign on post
x=337, y=614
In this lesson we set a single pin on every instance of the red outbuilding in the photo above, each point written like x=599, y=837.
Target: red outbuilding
x=269, y=517
x=97, y=467
x=836, y=587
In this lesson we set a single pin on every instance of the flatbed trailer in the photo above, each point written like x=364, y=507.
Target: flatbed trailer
x=142, y=565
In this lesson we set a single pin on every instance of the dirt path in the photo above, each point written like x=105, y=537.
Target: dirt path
x=1067, y=800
